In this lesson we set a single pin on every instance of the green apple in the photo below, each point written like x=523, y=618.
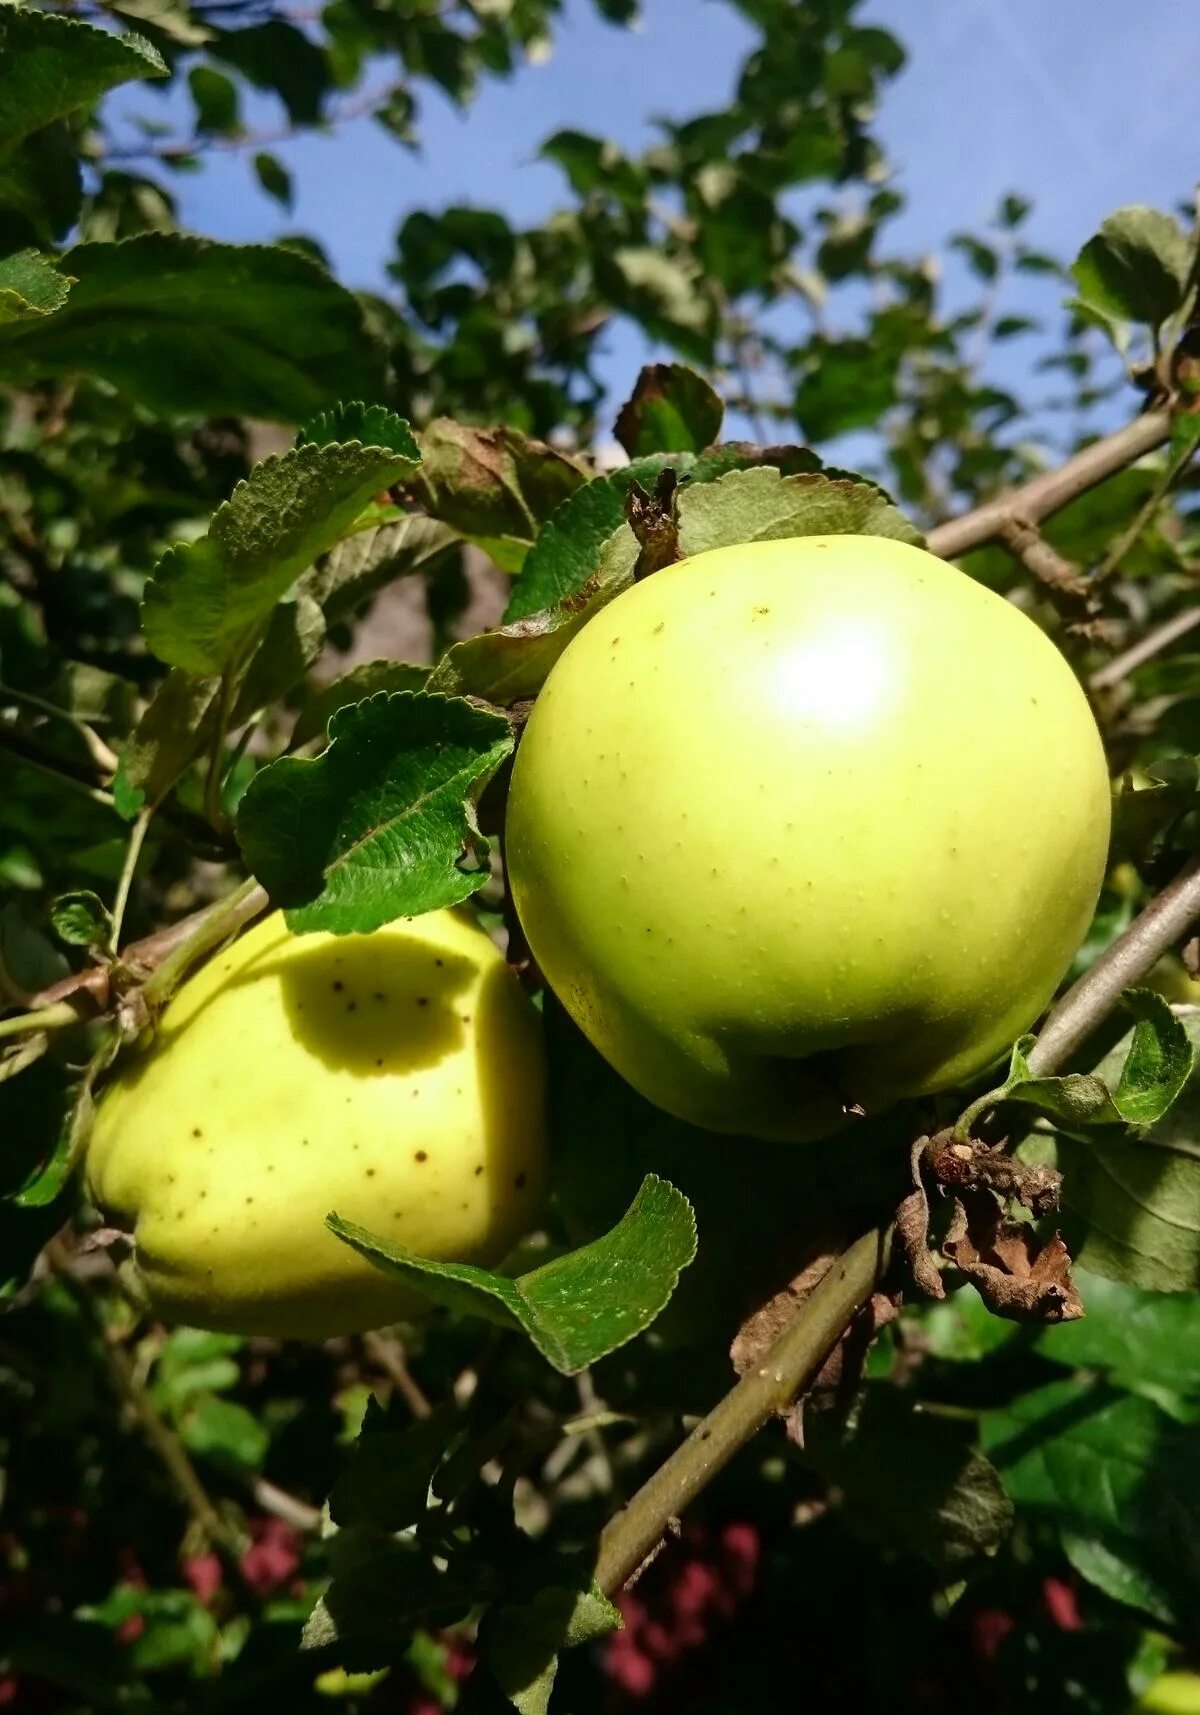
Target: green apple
x=799, y=828
x=396, y=1078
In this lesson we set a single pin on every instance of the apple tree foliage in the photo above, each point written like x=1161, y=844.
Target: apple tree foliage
x=223, y=473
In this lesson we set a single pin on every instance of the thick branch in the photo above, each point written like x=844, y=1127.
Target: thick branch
x=1054, y=489
x=1145, y=649
x=823, y=1317
x=792, y=1360
x=1126, y=963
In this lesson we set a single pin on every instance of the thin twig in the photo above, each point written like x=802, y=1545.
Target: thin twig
x=1053, y=489
x=796, y=1355
x=389, y=1354
x=1145, y=649
x=1048, y=566
x=824, y=1315
x=161, y=1437
x=1124, y=964
x=1173, y=469
x=133, y=851
x=101, y=755
x=231, y=914
x=59, y=1016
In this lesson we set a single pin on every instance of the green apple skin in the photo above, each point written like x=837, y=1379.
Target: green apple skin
x=396, y=1078
x=803, y=826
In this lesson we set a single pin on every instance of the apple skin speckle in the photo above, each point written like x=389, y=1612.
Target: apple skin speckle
x=422, y=1054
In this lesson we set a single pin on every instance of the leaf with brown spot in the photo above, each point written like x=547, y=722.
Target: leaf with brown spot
x=494, y=486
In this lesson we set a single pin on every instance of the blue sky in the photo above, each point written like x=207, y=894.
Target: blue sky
x=1082, y=105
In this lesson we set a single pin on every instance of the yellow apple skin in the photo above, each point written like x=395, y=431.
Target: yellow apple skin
x=804, y=824
x=396, y=1078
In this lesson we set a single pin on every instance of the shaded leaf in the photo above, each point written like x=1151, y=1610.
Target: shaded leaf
x=494, y=486
x=577, y=1308
x=521, y=1641
x=358, y=567
x=1119, y=1480
x=672, y=409
x=355, y=686
x=81, y=919
x=1143, y=1339
x=274, y=178
x=30, y=286
x=1136, y=267
x=910, y=1481
x=184, y=325
x=377, y=826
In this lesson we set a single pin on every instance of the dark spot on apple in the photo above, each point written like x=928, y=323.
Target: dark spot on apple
x=439, y=963
x=196, y=1132
x=519, y=1181
x=421, y=1155
x=351, y=1006
x=379, y=995
x=370, y=1173
x=479, y=1170
x=249, y=1200
x=422, y=1000
x=379, y=1062
x=338, y=986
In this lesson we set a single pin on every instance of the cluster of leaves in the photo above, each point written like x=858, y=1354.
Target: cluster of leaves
x=171, y=616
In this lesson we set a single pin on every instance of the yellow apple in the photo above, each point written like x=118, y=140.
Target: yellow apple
x=396, y=1078
x=803, y=827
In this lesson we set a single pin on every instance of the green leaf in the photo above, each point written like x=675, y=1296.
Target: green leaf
x=512, y=663
x=910, y=1481
x=494, y=486
x=671, y=410
x=385, y=1485
x=596, y=164
x=186, y=326
x=215, y=98
x=577, y=1308
x=521, y=1641
x=278, y=56
x=221, y=1427
x=355, y=686
x=1136, y=268
x=51, y=66
x=166, y=739
x=274, y=178
x=1145, y=1340
x=207, y=597
x=30, y=287
x=1119, y=1480
x=357, y=568
x=370, y=425
x=81, y=919
x=571, y=544
x=762, y=505
x=1155, y=1069
x=376, y=827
